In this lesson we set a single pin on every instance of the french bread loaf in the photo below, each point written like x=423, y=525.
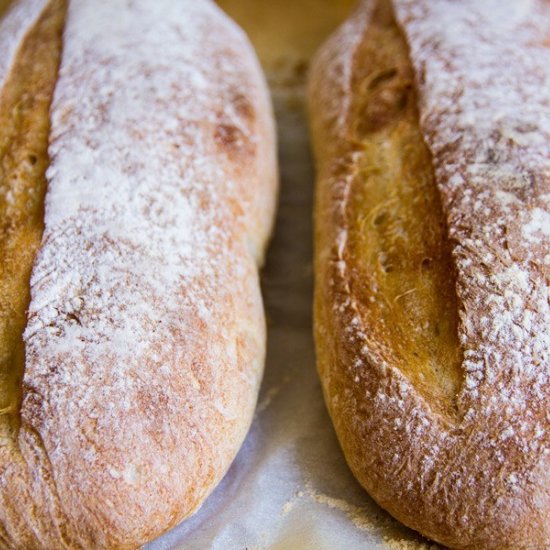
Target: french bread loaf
x=431, y=130
x=137, y=190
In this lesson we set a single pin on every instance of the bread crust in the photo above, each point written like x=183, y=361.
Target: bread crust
x=477, y=476
x=145, y=340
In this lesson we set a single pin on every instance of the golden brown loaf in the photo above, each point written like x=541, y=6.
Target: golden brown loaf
x=431, y=127
x=137, y=189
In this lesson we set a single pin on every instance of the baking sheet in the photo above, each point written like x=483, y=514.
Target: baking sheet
x=289, y=487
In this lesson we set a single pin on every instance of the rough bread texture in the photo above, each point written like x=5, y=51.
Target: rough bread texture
x=431, y=126
x=145, y=339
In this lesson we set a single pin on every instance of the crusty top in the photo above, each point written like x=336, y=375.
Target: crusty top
x=12, y=29
x=145, y=335
x=482, y=74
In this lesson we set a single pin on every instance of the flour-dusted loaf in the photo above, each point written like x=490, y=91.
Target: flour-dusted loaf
x=127, y=389
x=431, y=126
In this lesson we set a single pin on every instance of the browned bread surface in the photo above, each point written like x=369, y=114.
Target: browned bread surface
x=141, y=197
x=431, y=129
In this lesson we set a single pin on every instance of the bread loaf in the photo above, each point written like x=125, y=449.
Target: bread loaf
x=137, y=185
x=431, y=128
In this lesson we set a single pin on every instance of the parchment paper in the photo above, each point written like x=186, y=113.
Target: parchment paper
x=290, y=487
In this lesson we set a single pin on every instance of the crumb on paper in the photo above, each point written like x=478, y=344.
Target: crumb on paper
x=403, y=544
x=357, y=514
x=288, y=506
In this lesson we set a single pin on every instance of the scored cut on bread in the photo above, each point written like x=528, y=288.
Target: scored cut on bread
x=431, y=130
x=141, y=196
